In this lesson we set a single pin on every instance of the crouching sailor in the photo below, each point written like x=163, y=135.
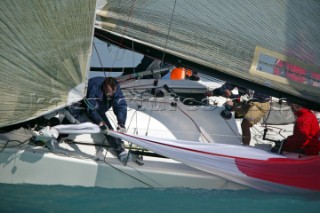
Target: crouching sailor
x=248, y=104
x=104, y=93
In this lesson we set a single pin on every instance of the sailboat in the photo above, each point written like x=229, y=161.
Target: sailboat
x=183, y=140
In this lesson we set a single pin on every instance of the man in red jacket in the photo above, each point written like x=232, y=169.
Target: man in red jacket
x=306, y=135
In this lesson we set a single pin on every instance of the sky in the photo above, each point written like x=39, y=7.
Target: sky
x=112, y=56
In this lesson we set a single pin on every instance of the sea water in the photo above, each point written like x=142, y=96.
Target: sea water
x=38, y=198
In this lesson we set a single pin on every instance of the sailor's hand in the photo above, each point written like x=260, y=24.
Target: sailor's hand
x=121, y=128
x=229, y=105
x=104, y=129
x=245, y=98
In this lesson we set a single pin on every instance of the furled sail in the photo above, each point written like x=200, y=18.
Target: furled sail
x=247, y=166
x=270, y=45
x=45, y=53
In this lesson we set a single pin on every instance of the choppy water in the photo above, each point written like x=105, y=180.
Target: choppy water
x=35, y=198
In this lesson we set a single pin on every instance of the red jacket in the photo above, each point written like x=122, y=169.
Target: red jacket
x=305, y=134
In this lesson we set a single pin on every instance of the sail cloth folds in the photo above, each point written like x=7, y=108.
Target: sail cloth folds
x=271, y=43
x=44, y=55
x=244, y=165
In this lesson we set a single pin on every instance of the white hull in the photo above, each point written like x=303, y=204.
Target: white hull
x=37, y=166
x=87, y=165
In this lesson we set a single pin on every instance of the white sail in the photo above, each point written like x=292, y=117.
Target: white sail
x=244, y=40
x=45, y=51
x=245, y=165
x=45, y=56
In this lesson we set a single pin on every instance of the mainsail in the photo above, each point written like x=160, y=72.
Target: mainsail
x=244, y=42
x=45, y=55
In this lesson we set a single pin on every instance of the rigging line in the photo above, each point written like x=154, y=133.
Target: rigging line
x=68, y=153
x=125, y=30
x=271, y=128
x=120, y=44
x=136, y=131
x=134, y=70
x=69, y=141
x=89, y=105
x=149, y=120
x=19, y=144
x=121, y=171
x=135, y=113
x=125, y=81
x=195, y=123
x=235, y=133
x=128, y=87
x=98, y=56
x=170, y=24
x=164, y=102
